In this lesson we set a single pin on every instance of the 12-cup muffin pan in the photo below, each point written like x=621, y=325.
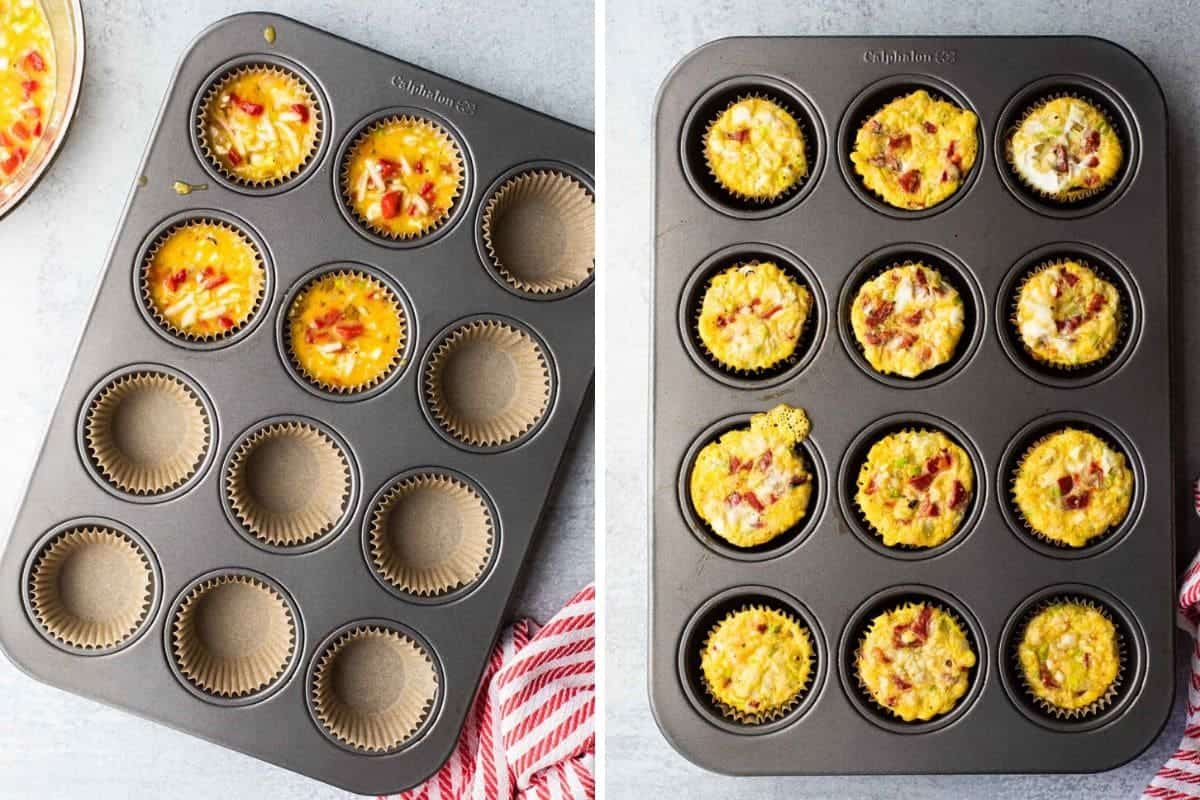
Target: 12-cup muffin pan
x=313, y=577
x=831, y=572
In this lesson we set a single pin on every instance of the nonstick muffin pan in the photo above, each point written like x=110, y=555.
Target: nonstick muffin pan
x=831, y=572
x=312, y=577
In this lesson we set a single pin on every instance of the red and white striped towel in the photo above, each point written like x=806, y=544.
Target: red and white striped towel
x=531, y=733
x=1179, y=778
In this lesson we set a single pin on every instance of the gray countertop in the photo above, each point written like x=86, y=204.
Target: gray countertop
x=643, y=41
x=538, y=52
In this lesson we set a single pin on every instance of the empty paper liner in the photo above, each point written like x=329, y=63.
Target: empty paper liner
x=147, y=433
x=373, y=688
x=539, y=230
x=232, y=635
x=91, y=588
x=430, y=534
x=288, y=483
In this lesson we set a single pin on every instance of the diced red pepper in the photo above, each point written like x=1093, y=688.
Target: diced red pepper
x=389, y=205
x=29, y=87
x=20, y=131
x=235, y=157
x=907, y=339
x=921, y=482
x=739, y=135
x=1075, y=502
x=764, y=461
x=735, y=464
x=35, y=62
x=419, y=167
x=921, y=626
x=9, y=165
x=922, y=280
x=1060, y=158
x=960, y=495
x=770, y=312
x=5, y=142
x=1065, y=484
x=915, y=317
x=1091, y=142
x=388, y=168
x=752, y=499
x=177, y=279
x=247, y=106
x=930, y=127
x=1096, y=303
x=214, y=282
x=953, y=155
x=933, y=510
x=349, y=330
x=226, y=321
x=901, y=684
x=302, y=110
x=1070, y=277
x=328, y=318
x=798, y=480
x=901, y=142
x=880, y=313
x=428, y=191
x=910, y=181
x=412, y=210
x=1047, y=678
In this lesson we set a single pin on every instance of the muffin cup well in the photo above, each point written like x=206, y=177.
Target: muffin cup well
x=1071, y=196
x=373, y=688
x=765, y=200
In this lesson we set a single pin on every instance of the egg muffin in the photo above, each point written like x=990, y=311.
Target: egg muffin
x=27, y=82
x=1066, y=149
x=915, y=487
x=203, y=280
x=753, y=484
x=755, y=149
x=1068, y=315
x=756, y=662
x=916, y=151
x=908, y=320
x=1069, y=656
x=346, y=331
x=261, y=124
x=1072, y=487
x=752, y=315
x=915, y=661
x=402, y=177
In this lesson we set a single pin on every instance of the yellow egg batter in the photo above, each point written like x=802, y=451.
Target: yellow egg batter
x=1069, y=655
x=755, y=149
x=1068, y=315
x=752, y=315
x=915, y=487
x=753, y=484
x=346, y=330
x=261, y=124
x=908, y=320
x=915, y=661
x=757, y=661
x=204, y=280
x=1072, y=487
x=27, y=82
x=1066, y=149
x=916, y=151
x=404, y=176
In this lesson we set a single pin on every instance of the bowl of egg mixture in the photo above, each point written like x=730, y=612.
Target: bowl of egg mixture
x=41, y=70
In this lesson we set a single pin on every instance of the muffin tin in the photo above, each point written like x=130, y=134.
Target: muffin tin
x=832, y=571
x=215, y=591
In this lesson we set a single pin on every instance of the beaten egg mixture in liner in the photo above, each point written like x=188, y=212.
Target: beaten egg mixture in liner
x=1065, y=148
x=1071, y=487
x=91, y=588
x=754, y=484
x=260, y=125
x=915, y=661
x=1067, y=316
x=373, y=688
x=1070, y=657
x=752, y=317
x=916, y=151
x=756, y=150
x=757, y=664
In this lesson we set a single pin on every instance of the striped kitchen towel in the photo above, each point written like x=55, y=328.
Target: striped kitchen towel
x=531, y=734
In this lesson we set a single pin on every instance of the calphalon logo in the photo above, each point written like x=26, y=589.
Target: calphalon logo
x=419, y=89
x=911, y=56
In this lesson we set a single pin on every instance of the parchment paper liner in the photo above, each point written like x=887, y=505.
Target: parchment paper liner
x=430, y=534
x=869, y=695
x=147, y=433
x=1092, y=709
x=233, y=636
x=539, y=229
x=1122, y=316
x=767, y=715
x=218, y=87
x=373, y=688
x=806, y=139
x=156, y=313
x=487, y=383
x=288, y=483
x=91, y=587
x=1072, y=195
x=401, y=119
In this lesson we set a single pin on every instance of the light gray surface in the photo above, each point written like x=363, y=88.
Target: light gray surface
x=642, y=44
x=52, y=249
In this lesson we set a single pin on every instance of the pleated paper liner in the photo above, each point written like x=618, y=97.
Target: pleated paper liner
x=539, y=230
x=430, y=534
x=147, y=433
x=288, y=483
x=213, y=94
x=373, y=688
x=487, y=383
x=398, y=358
x=156, y=313
x=401, y=119
x=91, y=587
x=233, y=635
x=1091, y=710
x=763, y=201
x=771, y=714
x=1073, y=196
